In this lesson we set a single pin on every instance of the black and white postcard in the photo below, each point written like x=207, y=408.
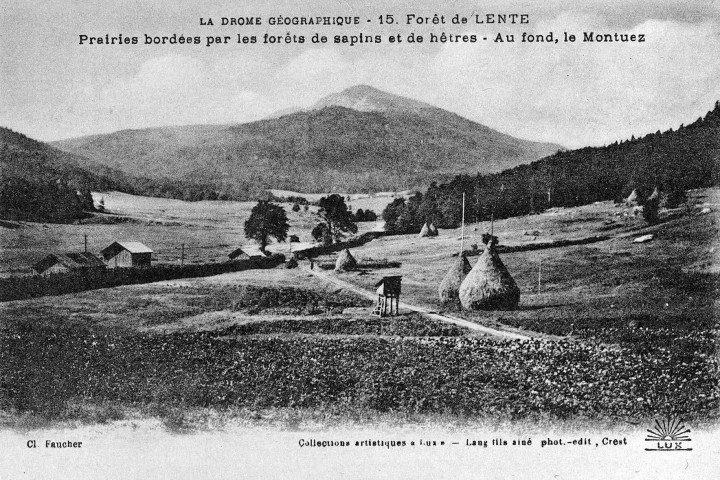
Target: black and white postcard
x=333, y=240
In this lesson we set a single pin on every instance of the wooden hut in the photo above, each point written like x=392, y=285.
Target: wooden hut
x=127, y=254
x=67, y=262
x=388, y=289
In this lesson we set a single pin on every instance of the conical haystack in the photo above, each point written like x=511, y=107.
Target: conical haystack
x=432, y=230
x=345, y=261
x=489, y=285
x=655, y=195
x=424, y=231
x=632, y=199
x=450, y=286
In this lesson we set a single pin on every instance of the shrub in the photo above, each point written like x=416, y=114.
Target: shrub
x=651, y=210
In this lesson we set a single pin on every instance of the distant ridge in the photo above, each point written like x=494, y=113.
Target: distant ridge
x=358, y=140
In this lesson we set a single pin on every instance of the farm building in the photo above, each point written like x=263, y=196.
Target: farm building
x=247, y=253
x=127, y=254
x=66, y=262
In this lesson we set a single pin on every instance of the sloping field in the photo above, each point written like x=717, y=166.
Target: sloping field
x=633, y=338
x=615, y=278
x=210, y=230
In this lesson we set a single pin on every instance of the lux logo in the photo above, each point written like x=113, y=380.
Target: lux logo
x=668, y=435
x=670, y=446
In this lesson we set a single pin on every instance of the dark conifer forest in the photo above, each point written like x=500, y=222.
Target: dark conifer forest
x=671, y=161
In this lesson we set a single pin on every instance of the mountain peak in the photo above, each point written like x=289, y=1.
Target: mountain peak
x=366, y=98
x=363, y=90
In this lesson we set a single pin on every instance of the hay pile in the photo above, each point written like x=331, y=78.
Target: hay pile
x=489, y=285
x=345, y=262
x=632, y=199
x=428, y=230
x=655, y=195
x=450, y=285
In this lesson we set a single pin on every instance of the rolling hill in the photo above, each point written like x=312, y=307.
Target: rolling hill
x=357, y=140
x=38, y=182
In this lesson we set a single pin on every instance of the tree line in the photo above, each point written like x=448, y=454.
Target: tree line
x=671, y=162
x=33, y=187
x=49, y=201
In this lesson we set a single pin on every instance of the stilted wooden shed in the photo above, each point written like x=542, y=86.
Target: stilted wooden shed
x=388, y=289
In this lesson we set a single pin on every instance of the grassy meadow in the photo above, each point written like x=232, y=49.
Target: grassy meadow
x=612, y=282
x=620, y=332
x=210, y=230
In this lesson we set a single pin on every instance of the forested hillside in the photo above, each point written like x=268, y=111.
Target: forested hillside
x=358, y=140
x=39, y=183
x=671, y=161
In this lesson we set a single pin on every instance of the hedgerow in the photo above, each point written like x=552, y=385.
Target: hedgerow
x=20, y=288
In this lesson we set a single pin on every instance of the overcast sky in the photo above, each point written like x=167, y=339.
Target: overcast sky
x=573, y=94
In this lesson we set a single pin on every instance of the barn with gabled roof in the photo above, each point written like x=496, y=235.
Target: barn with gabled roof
x=127, y=254
x=246, y=253
x=67, y=262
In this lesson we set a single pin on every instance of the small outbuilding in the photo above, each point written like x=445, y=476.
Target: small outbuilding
x=67, y=262
x=248, y=252
x=388, y=289
x=127, y=254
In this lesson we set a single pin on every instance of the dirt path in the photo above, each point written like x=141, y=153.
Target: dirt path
x=436, y=316
x=444, y=317
x=471, y=325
